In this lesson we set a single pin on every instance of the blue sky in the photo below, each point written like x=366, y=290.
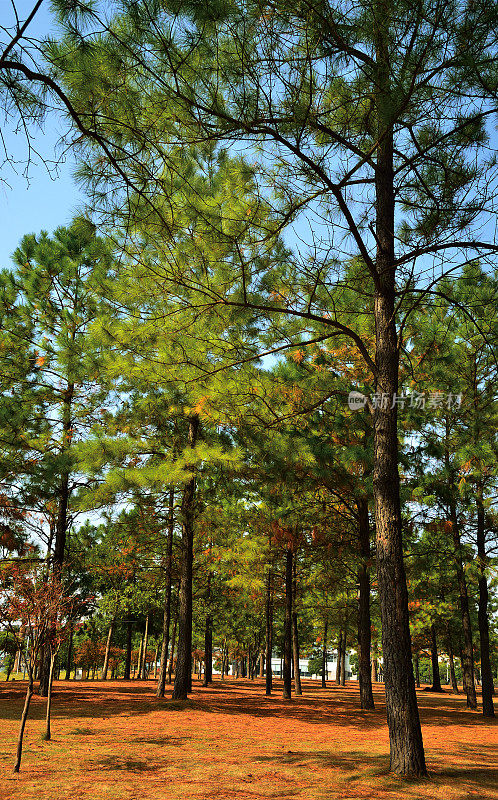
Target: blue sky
x=48, y=198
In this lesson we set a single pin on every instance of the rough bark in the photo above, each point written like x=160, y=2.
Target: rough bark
x=183, y=673
x=173, y=638
x=405, y=735
x=161, y=681
x=486, y=671
x=454, y=684
x=417, y=670
x=208, y=651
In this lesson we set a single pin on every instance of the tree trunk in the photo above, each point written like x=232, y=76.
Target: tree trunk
x=405, y=735
x=295, y=633
x=269, y=627
x=417, y=670
x=364, y=622
x=451, y=659
x=436, y=678
x=486, y=672
x=143, y=674
x=127, y=666
x=468, y=648
x=183, y=674
x=44, y=673
x=343, y=654
x=24, y=717
x=208, y=651
x=48, y=733
x=70, y=650
x=338, y=672
x=287, y=668
x=161, y=681
x=107, y=650
x=173, y=638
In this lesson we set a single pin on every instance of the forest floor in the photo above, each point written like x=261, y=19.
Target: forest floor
x=116, y=741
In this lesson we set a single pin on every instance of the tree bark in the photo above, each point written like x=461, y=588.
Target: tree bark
x=48, y=733
x=107, y=650
x=208, y=651
x=486, y=671
x=127, y=666
x=287, y=668
x=405, y=735
x=436, y=678
x=364, y=622
x=451, y=659
x=468, y=647
x=295, y=634
x=143, y=673
x=173, y=637
x=24, y=717
x=338, y=672
x=161, y=681
x=70, y=650
x=183, y=673
x=417, y=670
x=269, y=626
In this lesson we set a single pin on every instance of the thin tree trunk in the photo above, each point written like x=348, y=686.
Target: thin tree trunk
x=436, y=678
x=417, y=670
x=107, y=650
x=486, y=672
x=343, y=654
x=338, y=672
x=48, y=732
x=208, y=651
x=24, y=717
x=183, y=673
x=454, y=683
x=364, y=622
x=70, y=650
x=127, y=666
x=161, y=681
x=324, y=675
x=173, y=638
x=269, y=627
x=295, y=633
x=287, y=668
x=143, y=673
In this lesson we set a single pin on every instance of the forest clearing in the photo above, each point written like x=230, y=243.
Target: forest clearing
x=117, y=741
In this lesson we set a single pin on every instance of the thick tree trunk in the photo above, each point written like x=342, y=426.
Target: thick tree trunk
x=364, y=622
x=287, y=668
x=127, y=666
x=436, y=678
x=269, y=628
x=405, y=735
x=44, y=674
x=24, y=717
x=161, y=681
x=183, y=673
x=486, y=672
x=107, y=650
x=173, y=638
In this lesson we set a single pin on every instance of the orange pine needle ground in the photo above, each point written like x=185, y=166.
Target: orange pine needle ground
x=116, y=741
